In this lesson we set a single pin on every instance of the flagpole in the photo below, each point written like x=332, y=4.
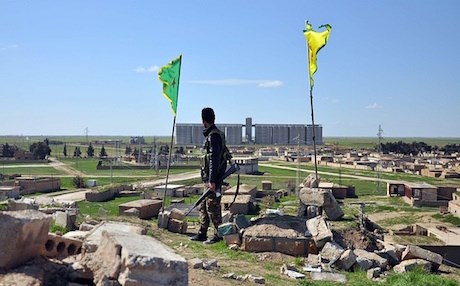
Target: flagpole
x=168, y=165
x=172, y=139
x=312, y=114
x=313, y=130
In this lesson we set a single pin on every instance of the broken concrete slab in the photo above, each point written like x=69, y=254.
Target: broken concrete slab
x=23, y=234
x=328, y=276
x=322, y=198
x=377, y=261
x=319, y=230
x=147, y=208
x=86, y=226
x=176, y=214
x=331, y=251
x=256, y=279
x=93, y=239
x=362, y=263
x=133, y=259
x=410, y=264
x=60, y=246
x=413, y=251
x=346, y=260
x=311, y=181
x=66, y=219
x=177, y=226
x=283, y=234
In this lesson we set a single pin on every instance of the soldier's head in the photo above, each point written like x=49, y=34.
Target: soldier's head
x=208, y=116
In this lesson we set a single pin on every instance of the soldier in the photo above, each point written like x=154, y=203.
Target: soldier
x=213, y=167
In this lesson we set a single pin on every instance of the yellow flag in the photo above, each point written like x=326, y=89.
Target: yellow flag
x=315, y=41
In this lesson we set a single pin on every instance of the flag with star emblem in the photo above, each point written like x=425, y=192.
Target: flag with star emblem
x=316, y=41
x=169, y=75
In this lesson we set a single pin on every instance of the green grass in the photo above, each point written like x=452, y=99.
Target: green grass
x=448, y=218
x=110, y=207
x=45, y=171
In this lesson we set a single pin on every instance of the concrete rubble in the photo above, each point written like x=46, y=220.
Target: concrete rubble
x=313, y=200
x=26, y=233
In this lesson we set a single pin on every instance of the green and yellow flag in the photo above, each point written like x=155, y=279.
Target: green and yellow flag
x=315, y=41
x=169, y=75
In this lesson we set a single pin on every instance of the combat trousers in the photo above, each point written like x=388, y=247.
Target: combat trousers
x=210, y=211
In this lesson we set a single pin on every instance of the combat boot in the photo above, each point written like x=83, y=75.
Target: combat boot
x=213, y=240
x=200, y=236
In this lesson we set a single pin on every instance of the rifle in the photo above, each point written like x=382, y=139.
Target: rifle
x=233, y=169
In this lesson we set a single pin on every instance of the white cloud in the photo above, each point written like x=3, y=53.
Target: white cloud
x=236, y=81
x=151, y=69
x=330, y=99
x=8, y=47
x=374, y=106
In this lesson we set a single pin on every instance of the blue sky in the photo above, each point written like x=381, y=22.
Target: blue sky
x=68, y=65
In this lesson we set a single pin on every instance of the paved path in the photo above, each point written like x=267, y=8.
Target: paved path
x=326, y=173
x=73, y=195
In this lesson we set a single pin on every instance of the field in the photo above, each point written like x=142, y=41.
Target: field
x=388, y=212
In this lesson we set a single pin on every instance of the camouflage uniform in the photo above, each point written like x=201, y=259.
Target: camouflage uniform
x=215, y=166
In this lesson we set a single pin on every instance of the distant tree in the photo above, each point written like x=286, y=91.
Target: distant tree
x=77, y=152
x=90, y=151
x=103, y=153
x=180, y=150
x=8, y=151
x=65, y=150
x=78, y=182
x=40, y=150
x=128, y=150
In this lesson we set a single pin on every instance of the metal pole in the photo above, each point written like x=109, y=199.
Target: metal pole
x=168, y=165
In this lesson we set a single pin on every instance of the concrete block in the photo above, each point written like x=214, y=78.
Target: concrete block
x=131, y=212
x=266, y=185
x=147, y=208
x=321, y=198
x=362, y=263
x=391, y=255
x=76, y=234
x=311, y=181
x=413, y=251
x=410, y=264
x=210, y=264
x=373, y=273
x=22, y=235
x=331, y=251
x=163, y=219
x=232, y=239
x=319, y=230
x=377, y=261
x=196, y=263
x=346, y=260
x=133, y=259
x=292, y=246
x=256, y=244
x=177, y=214
x=175, y=225
x=93, y=240
x=60, y=247
x=328, y=276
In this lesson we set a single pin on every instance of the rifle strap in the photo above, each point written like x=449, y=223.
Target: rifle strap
x=236, y=192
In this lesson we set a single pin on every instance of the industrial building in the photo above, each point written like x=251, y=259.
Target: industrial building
x=264, y=134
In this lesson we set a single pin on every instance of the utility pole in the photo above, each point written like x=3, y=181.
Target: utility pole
x=139, y=152
x=379, y=149
x=86, y=134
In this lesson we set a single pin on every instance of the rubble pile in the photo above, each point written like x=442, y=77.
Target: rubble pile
x=108, y=253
